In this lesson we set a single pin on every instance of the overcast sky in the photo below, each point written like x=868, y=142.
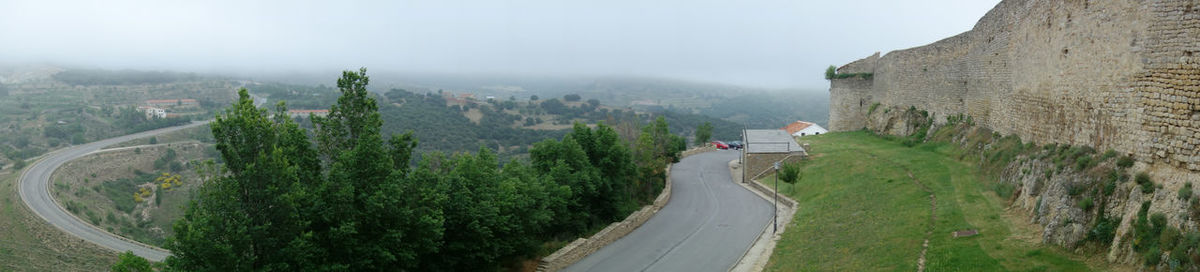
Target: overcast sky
x=761, y=43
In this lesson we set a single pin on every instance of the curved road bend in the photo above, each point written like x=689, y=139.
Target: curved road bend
x=707, y=226
x=34, y=187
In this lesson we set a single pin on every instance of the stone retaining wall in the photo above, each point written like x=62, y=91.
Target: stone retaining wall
x=757, y=185
x=581, y=247
x=758, y=165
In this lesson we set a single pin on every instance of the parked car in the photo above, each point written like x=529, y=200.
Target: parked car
x=720, y=145
x=735, y=144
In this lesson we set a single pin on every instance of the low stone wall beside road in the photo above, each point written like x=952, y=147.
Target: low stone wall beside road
x=756, y=185
x=581, y=247
x=697, y=150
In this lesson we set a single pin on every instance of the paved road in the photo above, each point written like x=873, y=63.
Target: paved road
x=34, y=189
x=707, y=226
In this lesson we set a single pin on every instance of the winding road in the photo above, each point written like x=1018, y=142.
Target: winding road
x=34, y=187
x=708, y=224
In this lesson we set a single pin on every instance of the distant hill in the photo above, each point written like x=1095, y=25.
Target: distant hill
x=752, y=107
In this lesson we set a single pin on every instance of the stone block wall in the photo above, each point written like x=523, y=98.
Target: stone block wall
x=1122, y=75
x=758, y=165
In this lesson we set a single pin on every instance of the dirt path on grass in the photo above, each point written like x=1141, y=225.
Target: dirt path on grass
x=932, y=218
x=932, y=210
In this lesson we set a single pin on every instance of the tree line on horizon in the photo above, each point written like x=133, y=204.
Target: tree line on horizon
x=344, y=197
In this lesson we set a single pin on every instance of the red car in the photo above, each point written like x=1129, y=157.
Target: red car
x=720, y=145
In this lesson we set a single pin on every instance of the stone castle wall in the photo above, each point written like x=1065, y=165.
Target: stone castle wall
x=1121, y=75
x=1108, y=74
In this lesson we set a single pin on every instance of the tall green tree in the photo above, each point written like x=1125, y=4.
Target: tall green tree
x=703, y=133
x=369, y=215
x=248, y=219
x=352, y=202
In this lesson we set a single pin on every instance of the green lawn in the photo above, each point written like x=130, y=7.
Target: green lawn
x=860, y=211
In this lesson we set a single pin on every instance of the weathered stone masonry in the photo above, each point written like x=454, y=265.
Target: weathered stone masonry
x=1110, y=74
x=1121, y=75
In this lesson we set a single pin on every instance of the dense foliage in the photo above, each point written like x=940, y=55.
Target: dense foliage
x=353, y=203
x=127, y=262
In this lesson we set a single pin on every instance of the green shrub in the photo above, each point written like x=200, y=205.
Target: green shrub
x=866, y=76
x=93, y=217
x=872, y=108
x=1152, y=256
x=1185, y=193
x=1110, y=187
x=1108, y=154
x=1004, y=190
x=1143, y=179
x=1075, y=189
x=1169, y=239
x=1086, y=203
x=1104, y=231
x=1125, y=162
x=1083, y=162
x=829, y=72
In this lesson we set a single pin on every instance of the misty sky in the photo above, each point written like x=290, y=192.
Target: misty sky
x=760, y=43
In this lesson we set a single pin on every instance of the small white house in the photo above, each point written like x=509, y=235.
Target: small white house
x=152, y=112
x=802, y=128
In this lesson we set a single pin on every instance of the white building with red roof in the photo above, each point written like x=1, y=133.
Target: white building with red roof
x=802, y=128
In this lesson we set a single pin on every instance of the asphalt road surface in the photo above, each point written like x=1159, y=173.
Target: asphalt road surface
x=707, y=226
x=35, y=192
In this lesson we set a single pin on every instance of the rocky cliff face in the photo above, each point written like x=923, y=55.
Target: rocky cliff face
x=1121, y=75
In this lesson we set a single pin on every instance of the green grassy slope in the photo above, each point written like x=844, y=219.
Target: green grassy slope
x=27, y=243
x=859, y=210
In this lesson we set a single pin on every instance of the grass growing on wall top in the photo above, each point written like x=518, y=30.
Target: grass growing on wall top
x=858, y=210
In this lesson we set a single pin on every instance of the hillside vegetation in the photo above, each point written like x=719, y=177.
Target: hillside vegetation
x=353, y=202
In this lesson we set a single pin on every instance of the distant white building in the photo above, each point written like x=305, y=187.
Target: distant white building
x=152, y=112
x=802, y=128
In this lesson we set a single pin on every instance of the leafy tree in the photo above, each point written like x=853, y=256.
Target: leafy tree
x=249, y=219
x=790, y=174
x=373, y=218
x=354, y=201
x=553, y=106
x=533, y=97
x=572, y=97
x=703, y=133
x=128, y=262
x=593, y=102
x=830, y=72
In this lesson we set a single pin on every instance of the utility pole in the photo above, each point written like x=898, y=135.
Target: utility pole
x=776, y=219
